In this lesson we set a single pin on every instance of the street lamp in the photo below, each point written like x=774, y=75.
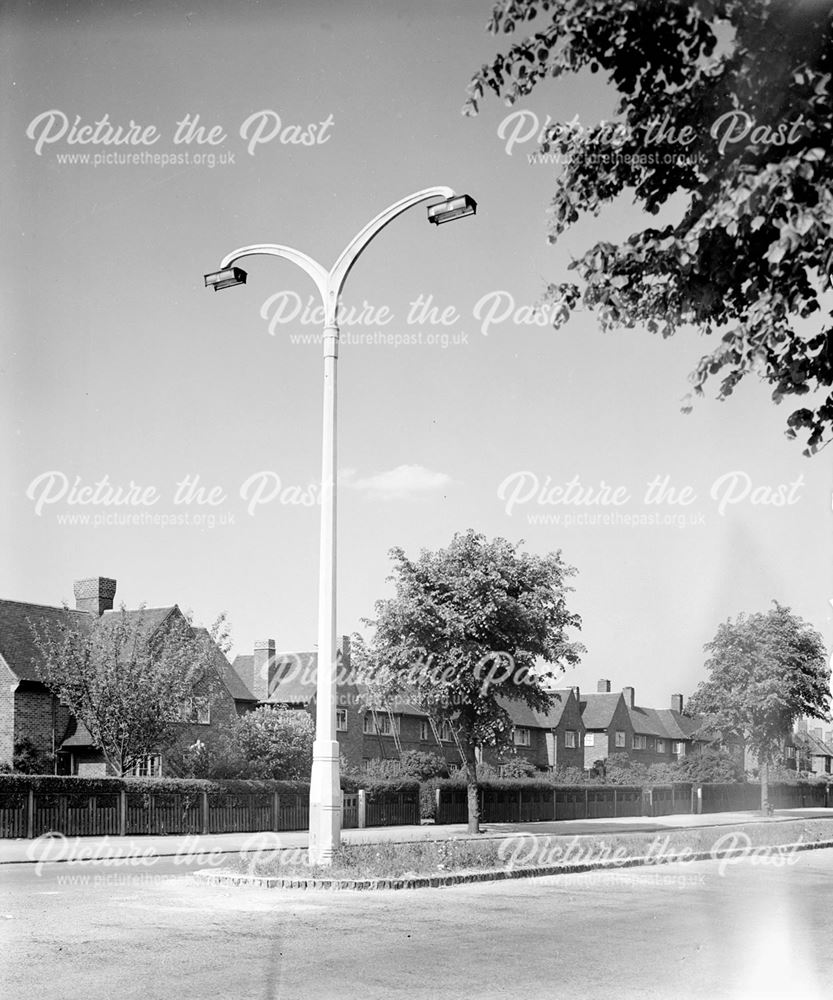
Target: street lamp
x=325, y=785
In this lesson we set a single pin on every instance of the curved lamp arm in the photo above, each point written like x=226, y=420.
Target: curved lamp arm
x=330, y=283
x=353, y=250
x=312, y=267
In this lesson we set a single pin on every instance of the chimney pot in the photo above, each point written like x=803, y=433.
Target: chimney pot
x=603, y=687
x=677, y=703
x=94, y=594
x=577, y=692
x=630, y=696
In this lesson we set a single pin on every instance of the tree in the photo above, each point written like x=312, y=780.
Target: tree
x=274, y=743
x=724, y=105
x=464, y=631
x=766, y=670
x=127, y=677
x=715, y=765
x=620, y=769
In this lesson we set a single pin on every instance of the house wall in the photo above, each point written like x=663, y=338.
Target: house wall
x=7, y=689
x=39, y=717
x=570, y=721
x=375, y=747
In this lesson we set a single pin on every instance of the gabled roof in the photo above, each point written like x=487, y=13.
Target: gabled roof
x=77, y=735
x=17, y=645
x=228, y=675
x=597, y=710
x=522, y=715
x=817, y=747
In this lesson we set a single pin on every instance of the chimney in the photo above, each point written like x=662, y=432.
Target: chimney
x=828, y=737
x=577, y=693
x=677, y=703
x=94, y=595
x=603, y=687
x=801, y=726
x=264, y=658
x=344, y=667
x=629, y=696
x=817, y=733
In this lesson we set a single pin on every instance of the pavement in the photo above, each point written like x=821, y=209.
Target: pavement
x=58, y=848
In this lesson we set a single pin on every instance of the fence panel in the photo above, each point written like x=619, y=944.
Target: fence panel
x=161, y=813
x=571, y=803
x=454, y=807
x=239, y=813
x=294, y=813
x=396, y=810
x=13, y=818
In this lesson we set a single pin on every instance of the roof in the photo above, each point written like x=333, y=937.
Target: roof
x=649, y=722
x=522, y=715
x=817, y=747
x=597, y=710
x=17, y=646
x=79, y=735
x=228, y=675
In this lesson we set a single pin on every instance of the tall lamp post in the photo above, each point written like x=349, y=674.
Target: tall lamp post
x=325, y=785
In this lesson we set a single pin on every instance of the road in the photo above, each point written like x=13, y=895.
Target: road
x=699, y=930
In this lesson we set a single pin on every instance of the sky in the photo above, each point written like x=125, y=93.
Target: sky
x=201, y=412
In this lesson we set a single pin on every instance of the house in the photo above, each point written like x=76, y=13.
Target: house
x=29, y=712
x=550, y=739
x=810, y=749
x=615, y=724
x=288, y=679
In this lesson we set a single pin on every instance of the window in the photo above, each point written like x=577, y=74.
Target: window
x=423, y=730
x=445, y=732
x=620, y=738
x=791, y=753
x=588, y=739
x=640, y=742
x=660, y=746
x=570, y=739
x=380, y=724
x=196, y=709
x=149, y=766
x=523, y=737
x=679, y=748
x=341, y=720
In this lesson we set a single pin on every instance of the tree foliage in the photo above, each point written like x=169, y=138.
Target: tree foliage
x=126, y=677
x=725, y=104
x=766, y=670
x=464, y=631
x=273, y=743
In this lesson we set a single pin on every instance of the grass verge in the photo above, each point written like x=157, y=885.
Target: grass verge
x=523, y=853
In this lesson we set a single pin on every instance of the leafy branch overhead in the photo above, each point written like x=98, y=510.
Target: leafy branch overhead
x=725, y=104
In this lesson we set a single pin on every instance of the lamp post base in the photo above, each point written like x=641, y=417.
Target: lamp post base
x=324, y=802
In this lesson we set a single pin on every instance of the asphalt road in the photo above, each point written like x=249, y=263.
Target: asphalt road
x=699, y=930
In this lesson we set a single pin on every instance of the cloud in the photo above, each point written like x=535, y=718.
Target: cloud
x=402, y=483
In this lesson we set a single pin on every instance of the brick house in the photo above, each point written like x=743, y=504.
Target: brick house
x=550, y=740
x=809, y=749
x=547, y=739
x=615, y=724
x=29, y=711
x=287, y=679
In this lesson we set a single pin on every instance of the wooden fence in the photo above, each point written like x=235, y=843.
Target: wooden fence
x=30, y=813
x=514, y=805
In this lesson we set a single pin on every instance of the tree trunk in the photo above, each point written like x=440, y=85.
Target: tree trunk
x=472, y=789
x=765, y=807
